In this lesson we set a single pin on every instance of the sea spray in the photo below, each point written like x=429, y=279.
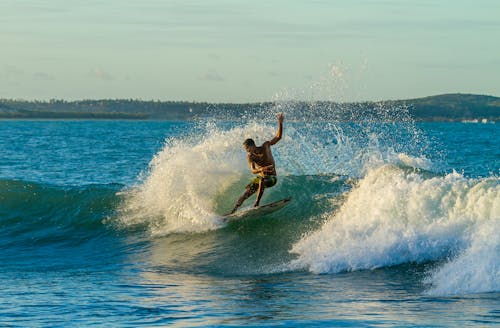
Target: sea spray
x=195, y=179
x=183, y=186
x=395, y=215
x=189, y=178
x=184, y=180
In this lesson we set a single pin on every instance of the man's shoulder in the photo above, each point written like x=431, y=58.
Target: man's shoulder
x=266, y=144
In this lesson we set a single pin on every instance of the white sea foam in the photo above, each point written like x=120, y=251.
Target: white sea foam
x=395, y=216
x=476, y=269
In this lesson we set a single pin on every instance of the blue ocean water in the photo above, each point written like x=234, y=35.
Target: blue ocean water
x=117, y=223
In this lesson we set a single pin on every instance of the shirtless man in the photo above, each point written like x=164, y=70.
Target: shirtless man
x=261, y=162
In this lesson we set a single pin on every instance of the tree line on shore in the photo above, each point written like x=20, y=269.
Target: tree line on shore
x=448, y=107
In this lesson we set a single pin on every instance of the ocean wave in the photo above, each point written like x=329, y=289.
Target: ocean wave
x=34, y=213
x=196, y=178
x=396, y=216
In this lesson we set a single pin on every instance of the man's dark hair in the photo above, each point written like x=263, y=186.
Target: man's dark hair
x=249, y=142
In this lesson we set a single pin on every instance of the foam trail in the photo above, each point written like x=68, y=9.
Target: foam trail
x=397, y=216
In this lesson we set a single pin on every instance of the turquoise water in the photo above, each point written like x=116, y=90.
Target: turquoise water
x=115, y=223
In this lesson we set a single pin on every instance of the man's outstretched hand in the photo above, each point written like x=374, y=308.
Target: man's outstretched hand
x=280, y=117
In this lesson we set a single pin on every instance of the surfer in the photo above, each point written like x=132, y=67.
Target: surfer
x=261, y=162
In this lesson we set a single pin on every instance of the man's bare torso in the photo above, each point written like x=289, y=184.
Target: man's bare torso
x=262, y=158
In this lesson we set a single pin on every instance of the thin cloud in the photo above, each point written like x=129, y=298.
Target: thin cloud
x=101, y=74
x=274, y=74
x=214, y=56
x=213, y=76
x=9, y=71
x=42, y=76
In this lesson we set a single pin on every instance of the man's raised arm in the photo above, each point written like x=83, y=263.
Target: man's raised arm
x=280, y=130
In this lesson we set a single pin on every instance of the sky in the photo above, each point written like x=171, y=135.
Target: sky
x=248, y=51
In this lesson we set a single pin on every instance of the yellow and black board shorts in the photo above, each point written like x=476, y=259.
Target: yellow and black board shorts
x=268, y=181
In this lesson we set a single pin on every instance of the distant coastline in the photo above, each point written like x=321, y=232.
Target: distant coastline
x=442, y=108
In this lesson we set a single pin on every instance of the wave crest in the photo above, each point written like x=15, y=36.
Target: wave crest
x=396, y=216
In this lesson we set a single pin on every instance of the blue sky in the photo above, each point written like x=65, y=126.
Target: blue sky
x=240, y=51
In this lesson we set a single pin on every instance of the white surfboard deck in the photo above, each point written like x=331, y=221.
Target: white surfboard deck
x=257, y=211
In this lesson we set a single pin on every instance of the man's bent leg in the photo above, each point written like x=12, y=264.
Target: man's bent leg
x=260, y=192
x=249, y=192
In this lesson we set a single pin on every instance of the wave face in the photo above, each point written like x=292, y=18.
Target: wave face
x=33, y=214
x=398, y=215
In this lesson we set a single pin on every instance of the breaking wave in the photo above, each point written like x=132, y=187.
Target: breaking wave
x=399, y=215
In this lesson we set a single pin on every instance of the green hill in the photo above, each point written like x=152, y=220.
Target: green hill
x=455, y=107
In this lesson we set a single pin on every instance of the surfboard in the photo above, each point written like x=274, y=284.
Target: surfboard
x=257, y=211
